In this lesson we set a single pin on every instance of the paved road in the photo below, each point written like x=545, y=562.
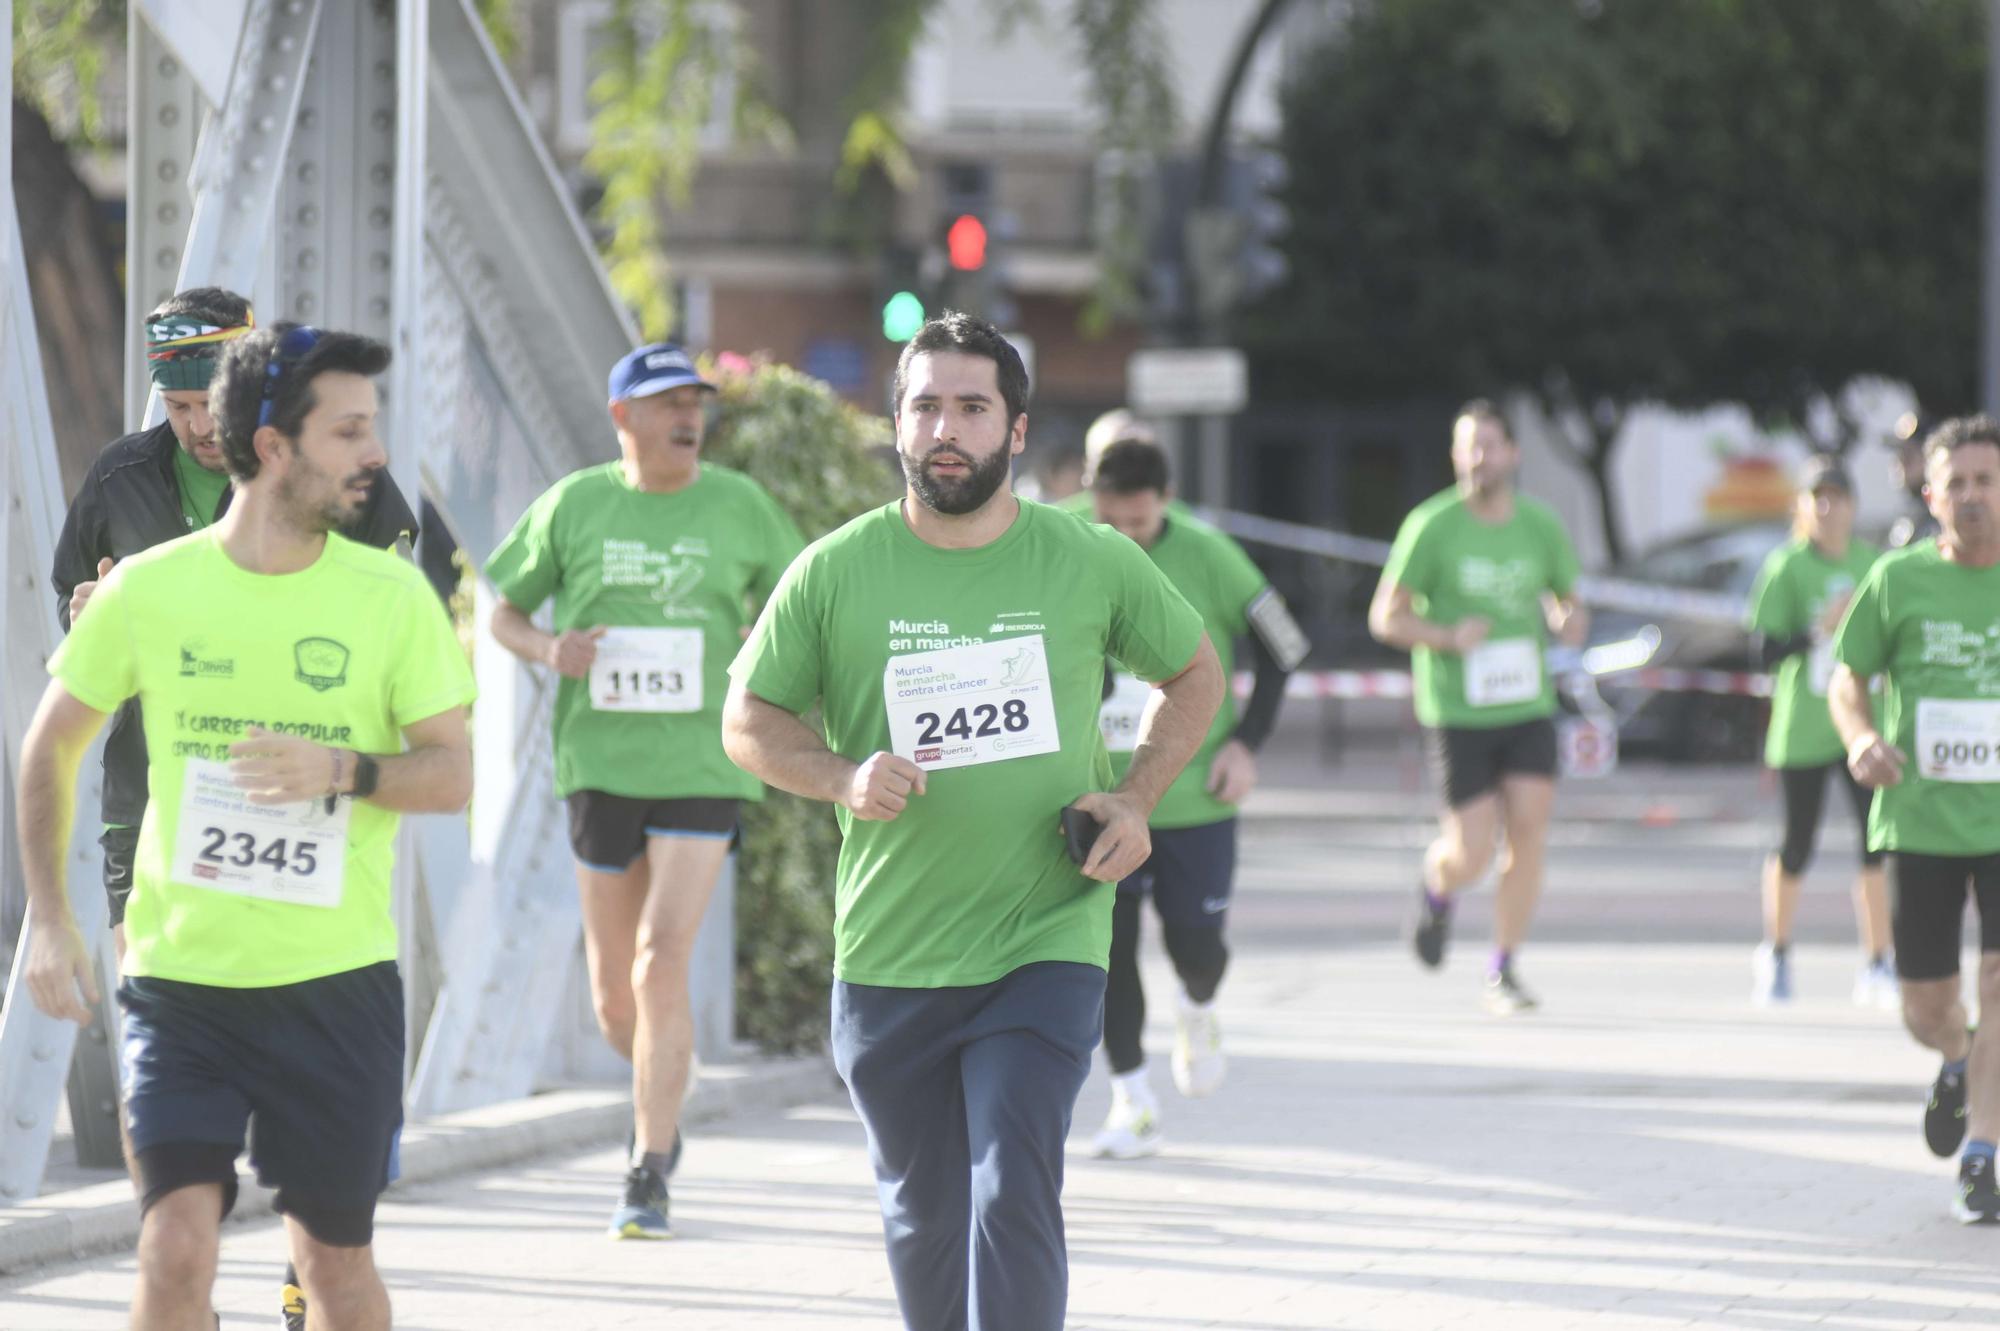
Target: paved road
x=1646, y=1152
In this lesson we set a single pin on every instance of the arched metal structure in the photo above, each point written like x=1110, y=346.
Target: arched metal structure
x=362, y=164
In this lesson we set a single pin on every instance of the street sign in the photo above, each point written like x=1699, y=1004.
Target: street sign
x=1190, y=381
x=1588, y=746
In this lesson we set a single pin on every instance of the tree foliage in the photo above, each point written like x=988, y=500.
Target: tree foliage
x=657, y=88
x=59, y=52
x=1605, y=203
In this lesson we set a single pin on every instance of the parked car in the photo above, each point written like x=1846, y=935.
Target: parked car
x=1686, y=726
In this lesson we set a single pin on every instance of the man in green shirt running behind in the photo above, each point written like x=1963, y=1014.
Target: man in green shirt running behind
x=654, y=562
x=300, y=692
x=1192, y=869
x=955, y=643
x=1926, y=620
x=1477, y=579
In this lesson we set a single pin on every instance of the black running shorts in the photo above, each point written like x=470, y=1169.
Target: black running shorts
x=1468, y=763
x=608, y=832
x=1927, y=902
x=313, y=1071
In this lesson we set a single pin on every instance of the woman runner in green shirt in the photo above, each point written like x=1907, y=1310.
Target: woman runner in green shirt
x=1795, y=609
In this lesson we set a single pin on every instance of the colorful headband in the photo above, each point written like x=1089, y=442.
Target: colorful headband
x=182, y=350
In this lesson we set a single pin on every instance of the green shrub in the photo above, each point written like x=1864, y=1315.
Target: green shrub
x=815, y=454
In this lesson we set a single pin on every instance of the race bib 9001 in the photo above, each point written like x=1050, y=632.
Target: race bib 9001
x=1958, y=740
x=962, y=706
x=295, y=853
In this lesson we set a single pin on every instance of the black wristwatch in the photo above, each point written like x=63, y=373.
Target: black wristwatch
x=366, y=773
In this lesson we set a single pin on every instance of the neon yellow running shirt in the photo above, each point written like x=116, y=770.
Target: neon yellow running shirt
x=346, y=653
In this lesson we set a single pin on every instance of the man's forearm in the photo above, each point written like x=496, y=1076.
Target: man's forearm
x=431, y=779
x=776, y=747
x=517, y=633
x=1847, y=700
x=1172, y=730
x=1404, y=629
x=45, y=809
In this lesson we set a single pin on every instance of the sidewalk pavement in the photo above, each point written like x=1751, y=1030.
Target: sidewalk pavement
x=1647, y=1152
x=98, y=1215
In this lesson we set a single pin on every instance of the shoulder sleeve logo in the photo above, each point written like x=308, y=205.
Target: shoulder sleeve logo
x=320, y=662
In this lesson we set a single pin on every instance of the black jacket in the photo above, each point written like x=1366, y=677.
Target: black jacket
x=130, y=502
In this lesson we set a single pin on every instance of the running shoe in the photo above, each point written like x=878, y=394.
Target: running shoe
x=1432, y=930
x=673, y=1154
x=1199, y=1063
x=1129, y=1132
x=1978, y=1200
x=1770, y=976
x=292, y=1308
x=643, y=1213
x=1944, y=1114
x=1876, y=986
x=1506, y=995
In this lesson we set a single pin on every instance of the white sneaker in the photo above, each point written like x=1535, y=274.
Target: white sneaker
x=1876, y=986
x=1130, y=1131
x=1770, y=977
x=1199, y=1063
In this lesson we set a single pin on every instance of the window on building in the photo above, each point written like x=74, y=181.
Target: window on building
x=582, y=35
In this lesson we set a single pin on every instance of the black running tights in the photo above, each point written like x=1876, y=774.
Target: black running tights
x=1199, y=957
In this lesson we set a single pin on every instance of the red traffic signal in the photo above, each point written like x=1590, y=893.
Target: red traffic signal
x=965, y=243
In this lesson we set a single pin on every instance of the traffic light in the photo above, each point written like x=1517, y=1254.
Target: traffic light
x=902, y=297
x=965, y=243
x=1233, y=245
x=902, y=316
x=972, y=234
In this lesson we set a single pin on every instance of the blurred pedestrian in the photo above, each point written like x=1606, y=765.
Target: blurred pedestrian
x=1478, y=580
x=1796, y=606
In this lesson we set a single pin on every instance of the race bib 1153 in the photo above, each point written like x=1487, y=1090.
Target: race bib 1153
x=647, y=670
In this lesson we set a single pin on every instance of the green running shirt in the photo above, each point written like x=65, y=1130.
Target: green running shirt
x=681, y=569
x=1931, y=628
x=1210, y=569
x=1456, y=567
x=1794, y=588
x=890, y=634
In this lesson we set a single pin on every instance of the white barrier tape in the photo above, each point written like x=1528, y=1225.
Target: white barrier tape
x=1356, y=685
x=1608, y=593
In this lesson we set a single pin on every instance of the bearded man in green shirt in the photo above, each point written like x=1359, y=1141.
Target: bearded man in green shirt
x=954, y=643
x=1477, y=580
x=1926, y=620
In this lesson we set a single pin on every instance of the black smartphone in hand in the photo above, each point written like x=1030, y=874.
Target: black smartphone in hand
x=1079, y=833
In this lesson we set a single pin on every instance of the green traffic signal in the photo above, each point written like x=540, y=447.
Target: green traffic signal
x=902, y=316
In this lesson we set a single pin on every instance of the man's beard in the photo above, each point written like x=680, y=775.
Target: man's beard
x=956, y=496
x=324, y=515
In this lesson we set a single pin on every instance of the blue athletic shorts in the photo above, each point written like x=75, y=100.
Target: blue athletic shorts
x=1190, y=874
x=312, y=1073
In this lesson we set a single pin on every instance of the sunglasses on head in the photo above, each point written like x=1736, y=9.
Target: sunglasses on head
x=291, y=348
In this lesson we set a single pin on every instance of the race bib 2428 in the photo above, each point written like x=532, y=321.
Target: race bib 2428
x=961, y=706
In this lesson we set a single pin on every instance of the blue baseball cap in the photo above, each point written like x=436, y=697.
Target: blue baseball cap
x=654, y=369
